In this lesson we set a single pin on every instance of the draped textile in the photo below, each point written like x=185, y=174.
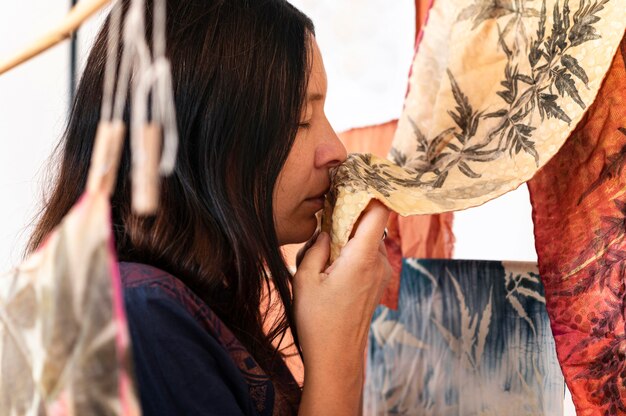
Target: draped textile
x=495, y=89
x=64, y=345
x=469, y=337
x=579, y=212
x=422, y=236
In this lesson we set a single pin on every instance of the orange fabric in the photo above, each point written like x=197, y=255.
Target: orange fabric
x=394, y=254
x=421, y=12
x=579, y=212
x=427, y=236
x=371, y=139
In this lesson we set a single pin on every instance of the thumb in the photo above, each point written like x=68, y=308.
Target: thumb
x=316, y=257
x=305, y=248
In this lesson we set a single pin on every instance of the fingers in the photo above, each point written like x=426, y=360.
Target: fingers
x=382, y=248
x=315, y=258
x=371, y=225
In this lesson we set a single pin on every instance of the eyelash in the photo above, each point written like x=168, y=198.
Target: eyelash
x=304, y=125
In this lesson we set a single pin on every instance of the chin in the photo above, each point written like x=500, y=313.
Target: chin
x=299, y=233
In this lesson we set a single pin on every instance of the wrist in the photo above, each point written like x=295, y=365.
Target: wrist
x=332, y=390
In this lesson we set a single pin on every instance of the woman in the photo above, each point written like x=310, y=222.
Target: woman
x=252, y=169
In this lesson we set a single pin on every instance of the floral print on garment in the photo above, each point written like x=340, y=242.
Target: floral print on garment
x=579, y=211
x=468, y=338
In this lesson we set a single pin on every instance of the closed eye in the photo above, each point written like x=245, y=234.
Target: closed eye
x=304, y=125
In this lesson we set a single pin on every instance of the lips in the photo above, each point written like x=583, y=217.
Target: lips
x=318, y=200
x=322, y=194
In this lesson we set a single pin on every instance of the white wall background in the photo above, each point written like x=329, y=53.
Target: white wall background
x=34, y=103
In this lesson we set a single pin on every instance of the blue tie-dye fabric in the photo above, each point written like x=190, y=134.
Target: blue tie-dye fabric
x=468, y=338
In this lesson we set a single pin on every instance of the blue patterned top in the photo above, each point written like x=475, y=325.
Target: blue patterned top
x=187, y=362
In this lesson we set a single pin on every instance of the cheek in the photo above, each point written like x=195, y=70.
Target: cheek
x=286, y=191
x=295, y=221
x=296, y=173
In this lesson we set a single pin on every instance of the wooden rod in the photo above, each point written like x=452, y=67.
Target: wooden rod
x=72, y=21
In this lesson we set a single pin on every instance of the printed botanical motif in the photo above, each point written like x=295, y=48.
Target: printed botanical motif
x=63, y=335
x=496, y=87
x=517, y=290
x=579, y=210
x=468, y=338
x=539, y=76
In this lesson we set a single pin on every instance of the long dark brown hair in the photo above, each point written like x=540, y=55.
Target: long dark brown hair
x=240, y=69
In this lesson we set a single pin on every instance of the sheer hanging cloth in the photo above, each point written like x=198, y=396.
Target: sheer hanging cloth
x=64, y=343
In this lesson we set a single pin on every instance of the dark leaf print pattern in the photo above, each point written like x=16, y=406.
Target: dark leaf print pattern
x=613, y=229
x=373, y=175
x=579, y=211
x=611, y=170
x=553, y=75
x=608, y=367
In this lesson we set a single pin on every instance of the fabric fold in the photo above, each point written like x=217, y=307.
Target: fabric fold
x=579, y=213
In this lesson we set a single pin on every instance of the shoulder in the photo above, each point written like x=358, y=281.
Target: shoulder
x=181, y=349
x=138, y=277
x=146, y=287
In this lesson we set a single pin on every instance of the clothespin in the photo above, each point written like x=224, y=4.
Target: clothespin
x=146, y=179
x=105, y=157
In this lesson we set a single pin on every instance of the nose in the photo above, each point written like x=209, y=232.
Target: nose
x=330, y=152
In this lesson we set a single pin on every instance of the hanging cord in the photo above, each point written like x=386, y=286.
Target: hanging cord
x=73, y=50
x=109, y=138
x=153, y=132
x=163, y=101
x=150, y=77
x=113, y=44
x=135, y=58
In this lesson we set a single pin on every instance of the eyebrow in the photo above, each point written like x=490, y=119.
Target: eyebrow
x=316, y=97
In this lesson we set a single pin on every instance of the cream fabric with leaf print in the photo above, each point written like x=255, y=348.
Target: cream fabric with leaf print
x=495, y=90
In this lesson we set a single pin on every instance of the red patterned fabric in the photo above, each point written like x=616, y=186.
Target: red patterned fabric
x=579, y=212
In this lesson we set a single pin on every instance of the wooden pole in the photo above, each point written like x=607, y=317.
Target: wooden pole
x=72, y=21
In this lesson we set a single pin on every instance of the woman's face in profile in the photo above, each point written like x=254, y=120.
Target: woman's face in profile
x=304, y=179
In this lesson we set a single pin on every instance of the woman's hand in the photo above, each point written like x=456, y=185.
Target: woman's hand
x=334, y=308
